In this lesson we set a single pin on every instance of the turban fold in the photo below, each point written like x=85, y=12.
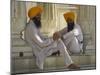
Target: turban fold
x=70, y=15
x=34, y=11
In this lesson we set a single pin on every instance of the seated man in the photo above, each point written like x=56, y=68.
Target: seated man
x=75, y=44
x=44, y=47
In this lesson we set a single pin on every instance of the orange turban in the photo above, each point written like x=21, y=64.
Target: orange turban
x=70, y=15
x=34, y=11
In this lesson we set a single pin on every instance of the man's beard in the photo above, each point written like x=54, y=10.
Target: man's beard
x=37, y=23
x=70, y=26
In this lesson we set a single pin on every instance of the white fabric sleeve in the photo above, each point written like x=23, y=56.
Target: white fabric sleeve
x=42, y=36
x=37, y=39
x=76, y=32
x=68, y=35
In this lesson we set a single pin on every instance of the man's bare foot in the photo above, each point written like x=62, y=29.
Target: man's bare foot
x=73, y=66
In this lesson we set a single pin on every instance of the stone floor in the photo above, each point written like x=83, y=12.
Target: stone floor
x=51, y=64
x=61, y=69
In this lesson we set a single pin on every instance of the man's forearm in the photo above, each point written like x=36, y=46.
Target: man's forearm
x=63, y=31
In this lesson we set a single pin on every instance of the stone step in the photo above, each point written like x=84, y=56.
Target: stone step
x=30, y=54
x=52, y=62
x=61, y=69
x=19, y=45
x=23, y=48
x=26, y=49
x=19, y=42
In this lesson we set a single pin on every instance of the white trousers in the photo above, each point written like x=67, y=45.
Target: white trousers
x=56, y=46
x=72, y=43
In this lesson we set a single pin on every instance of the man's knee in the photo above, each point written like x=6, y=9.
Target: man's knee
x=78, y=51
x=61, y=46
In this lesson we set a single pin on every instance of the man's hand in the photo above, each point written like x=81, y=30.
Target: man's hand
x=56, y=36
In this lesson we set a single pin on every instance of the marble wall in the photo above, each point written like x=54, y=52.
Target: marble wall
x=52, y=18
x=87, y=21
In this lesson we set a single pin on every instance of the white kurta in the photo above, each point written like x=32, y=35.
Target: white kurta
x=44, y=47
x=75, y=45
